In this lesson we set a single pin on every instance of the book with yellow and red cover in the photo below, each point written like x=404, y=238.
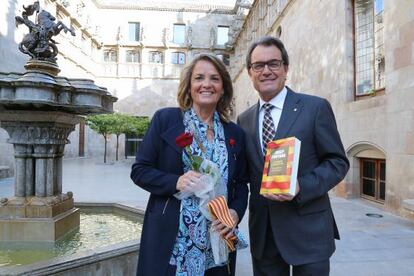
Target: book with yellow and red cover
x=281, y=167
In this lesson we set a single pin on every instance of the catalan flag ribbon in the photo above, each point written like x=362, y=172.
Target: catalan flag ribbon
x=218, y=208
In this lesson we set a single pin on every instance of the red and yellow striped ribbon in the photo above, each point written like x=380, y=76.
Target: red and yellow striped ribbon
x=218, y=208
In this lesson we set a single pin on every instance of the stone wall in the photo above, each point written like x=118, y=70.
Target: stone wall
x=319, y=39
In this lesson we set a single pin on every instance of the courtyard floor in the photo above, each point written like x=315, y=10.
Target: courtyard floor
x=368, y=246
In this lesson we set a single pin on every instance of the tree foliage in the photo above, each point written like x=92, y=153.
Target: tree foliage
x=117, y=123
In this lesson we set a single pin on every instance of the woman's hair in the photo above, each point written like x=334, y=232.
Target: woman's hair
x=184, y=89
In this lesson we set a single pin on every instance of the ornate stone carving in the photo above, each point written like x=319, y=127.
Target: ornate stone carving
x=40, y=133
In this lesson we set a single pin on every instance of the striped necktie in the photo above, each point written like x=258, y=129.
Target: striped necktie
x=268, y=128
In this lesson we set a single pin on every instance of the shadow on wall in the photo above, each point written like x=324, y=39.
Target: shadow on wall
x=6, y=152
x=147, y=100
x=12, y=60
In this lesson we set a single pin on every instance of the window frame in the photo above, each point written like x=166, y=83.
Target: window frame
x=178, y=53
x=377, y=179
x=137, y=31
x=150, y=55
x=219, y=27
x=175, y=36
x=127, y=52
x=376, y=60
x=109, y=51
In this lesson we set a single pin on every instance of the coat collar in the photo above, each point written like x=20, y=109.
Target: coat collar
x=173, y=132
x=177, y=129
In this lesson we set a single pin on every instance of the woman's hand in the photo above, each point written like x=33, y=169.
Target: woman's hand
x=223, y=230
x=189, y=181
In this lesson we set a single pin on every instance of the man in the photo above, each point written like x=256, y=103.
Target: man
x=290, y=230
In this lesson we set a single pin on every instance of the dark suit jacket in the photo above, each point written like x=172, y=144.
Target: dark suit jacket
x=157, y=168
x=304, y=229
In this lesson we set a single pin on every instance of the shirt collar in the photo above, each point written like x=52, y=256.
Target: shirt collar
x=277, y=101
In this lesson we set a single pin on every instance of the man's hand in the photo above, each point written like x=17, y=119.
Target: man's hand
x=283, y=197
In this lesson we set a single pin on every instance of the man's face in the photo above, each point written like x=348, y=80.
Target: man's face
x=268, y=82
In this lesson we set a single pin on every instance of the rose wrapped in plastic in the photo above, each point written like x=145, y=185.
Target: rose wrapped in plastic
x=209, y=187
x=209, y=179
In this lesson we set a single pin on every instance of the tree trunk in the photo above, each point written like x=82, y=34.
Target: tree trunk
x=105, y=149
x=117, y=139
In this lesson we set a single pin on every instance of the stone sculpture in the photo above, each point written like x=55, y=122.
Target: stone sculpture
x=38, y=43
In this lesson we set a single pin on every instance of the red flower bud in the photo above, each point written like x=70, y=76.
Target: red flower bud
x=232, y=142
x=184, y=139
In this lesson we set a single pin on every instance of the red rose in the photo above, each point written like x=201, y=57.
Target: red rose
x=232, y=142
x=184, y=139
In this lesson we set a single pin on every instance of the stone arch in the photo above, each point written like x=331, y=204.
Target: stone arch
x=362, y=149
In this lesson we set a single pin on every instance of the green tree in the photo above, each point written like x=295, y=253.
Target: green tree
x=125, y=124
x=138, y=126
x=102, y=124
x=117, y=123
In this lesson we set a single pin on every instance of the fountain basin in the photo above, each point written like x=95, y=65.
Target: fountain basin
x=106, y=244
x=40, y=91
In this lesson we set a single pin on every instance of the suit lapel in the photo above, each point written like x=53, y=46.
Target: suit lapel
x=230, y=149
x=291, y=109
x=173, y=132
x=254, y=127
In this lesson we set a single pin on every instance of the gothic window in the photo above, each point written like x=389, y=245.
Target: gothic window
x=178, y=58
x=156, y=57
x=179, y=33
x=133, y=31
x=222, y=35
x=369, y=46
x=110, y=55
x=132, y=56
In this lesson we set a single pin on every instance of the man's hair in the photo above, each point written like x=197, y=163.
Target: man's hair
x=184, y=89
x=267, y=41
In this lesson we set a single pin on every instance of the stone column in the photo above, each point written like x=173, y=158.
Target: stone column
x=30, y=165
x=59, y=168
x=20, y=155
x=39, y=148
x=40, y=172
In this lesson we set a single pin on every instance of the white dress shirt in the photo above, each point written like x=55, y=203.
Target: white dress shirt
x=278, y=101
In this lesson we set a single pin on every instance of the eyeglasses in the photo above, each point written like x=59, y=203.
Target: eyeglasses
x=273, y=65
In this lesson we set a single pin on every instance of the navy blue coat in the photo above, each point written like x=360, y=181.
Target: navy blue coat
x=304, y=229
x=157, y=168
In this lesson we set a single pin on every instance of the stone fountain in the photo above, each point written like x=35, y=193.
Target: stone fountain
x=39, y=109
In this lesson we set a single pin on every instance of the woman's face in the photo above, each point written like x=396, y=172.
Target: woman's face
x=206, y=85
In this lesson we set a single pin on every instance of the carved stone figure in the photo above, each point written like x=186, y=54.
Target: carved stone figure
x=190, y=36
x=213, y=37
x=38, y=43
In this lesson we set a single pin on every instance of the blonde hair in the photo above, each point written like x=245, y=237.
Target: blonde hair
x=184, y=89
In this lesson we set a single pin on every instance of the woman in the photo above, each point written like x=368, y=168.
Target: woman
x=175, y=238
